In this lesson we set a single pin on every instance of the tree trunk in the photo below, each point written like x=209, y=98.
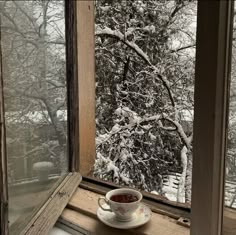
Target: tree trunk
x=188, y=183
x=181, y=188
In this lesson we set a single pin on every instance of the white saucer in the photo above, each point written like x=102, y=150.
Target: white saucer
x=141, y=216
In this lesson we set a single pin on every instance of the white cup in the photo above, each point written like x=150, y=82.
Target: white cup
x=123, y=210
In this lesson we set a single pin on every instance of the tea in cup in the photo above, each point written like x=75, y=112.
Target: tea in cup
x=123, y=202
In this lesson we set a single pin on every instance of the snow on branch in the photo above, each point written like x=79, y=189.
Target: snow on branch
x=181, y=188
x=138, y=121
x=118, y=35
x=121, y=37
x=110, y=166
x=179, y=129
x=183, y=48
x=117, y=128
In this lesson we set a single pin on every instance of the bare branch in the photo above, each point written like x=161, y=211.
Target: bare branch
x=31, y=20
x=16, y=29
x=183, y=48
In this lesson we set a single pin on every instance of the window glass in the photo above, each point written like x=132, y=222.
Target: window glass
x=230, y=164
x=34, y=74
x=145, y=55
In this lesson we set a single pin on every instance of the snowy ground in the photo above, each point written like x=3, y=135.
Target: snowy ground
x=170, y=188
x=230, y=194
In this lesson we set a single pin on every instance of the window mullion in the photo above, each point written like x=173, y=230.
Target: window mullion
x=86, y=76
x=211, y=95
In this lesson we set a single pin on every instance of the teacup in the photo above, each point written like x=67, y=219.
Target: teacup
x=123, y=202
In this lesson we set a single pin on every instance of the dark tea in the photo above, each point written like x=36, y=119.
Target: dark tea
x=124, y=198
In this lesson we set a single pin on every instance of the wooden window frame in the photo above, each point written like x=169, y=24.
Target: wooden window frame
x=47, y=215
x=210, y=126
x=86, y=74
x=3, y=160
x=212, y=79
x=213, y=57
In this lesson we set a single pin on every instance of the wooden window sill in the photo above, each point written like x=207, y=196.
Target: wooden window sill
x=80, y=214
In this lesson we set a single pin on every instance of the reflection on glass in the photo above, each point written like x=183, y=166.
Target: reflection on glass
x=145, y=53
x=34, y=73
x=230, y=166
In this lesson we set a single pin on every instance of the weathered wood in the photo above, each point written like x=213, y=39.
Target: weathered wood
x=72, y=84
x=86, y=75
x=174, y=213
x=157, y=203
x=29, y=203
x=184, y=222
x=46, y=217
x=84, y=217
x=210, y=115
x=3, y=157
x=229, y=222
x=84, y=201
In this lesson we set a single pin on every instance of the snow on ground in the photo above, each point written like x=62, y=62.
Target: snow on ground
x=170, y=186
x=230, y=194
x=170, y=189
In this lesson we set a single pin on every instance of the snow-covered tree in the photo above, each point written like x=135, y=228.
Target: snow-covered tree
x=145, y=52
x=34, y=73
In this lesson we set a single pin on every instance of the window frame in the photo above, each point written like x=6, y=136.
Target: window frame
x=47, y=215
x=86, y=74
x=212, y=80
x=3, y=160
x=212, y=64
x=213, y=57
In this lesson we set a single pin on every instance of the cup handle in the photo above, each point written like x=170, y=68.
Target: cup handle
x=105, y=200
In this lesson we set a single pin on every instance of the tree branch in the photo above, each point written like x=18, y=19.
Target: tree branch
x=16, y=29
x=118, y=35
x=183, y=48
x=27, y=16
x=183, y=136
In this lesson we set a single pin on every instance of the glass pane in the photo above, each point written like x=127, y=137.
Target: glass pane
x=145, y=56
x=230, y=166
x=34, y=73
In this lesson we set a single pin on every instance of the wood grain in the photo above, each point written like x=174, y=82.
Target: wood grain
x=210, y=115
x=86, y=75
x=81, y=212
x=47, y=216
x=72, y=84
x=157, y=204
x=229, y=222
x=29, y=203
